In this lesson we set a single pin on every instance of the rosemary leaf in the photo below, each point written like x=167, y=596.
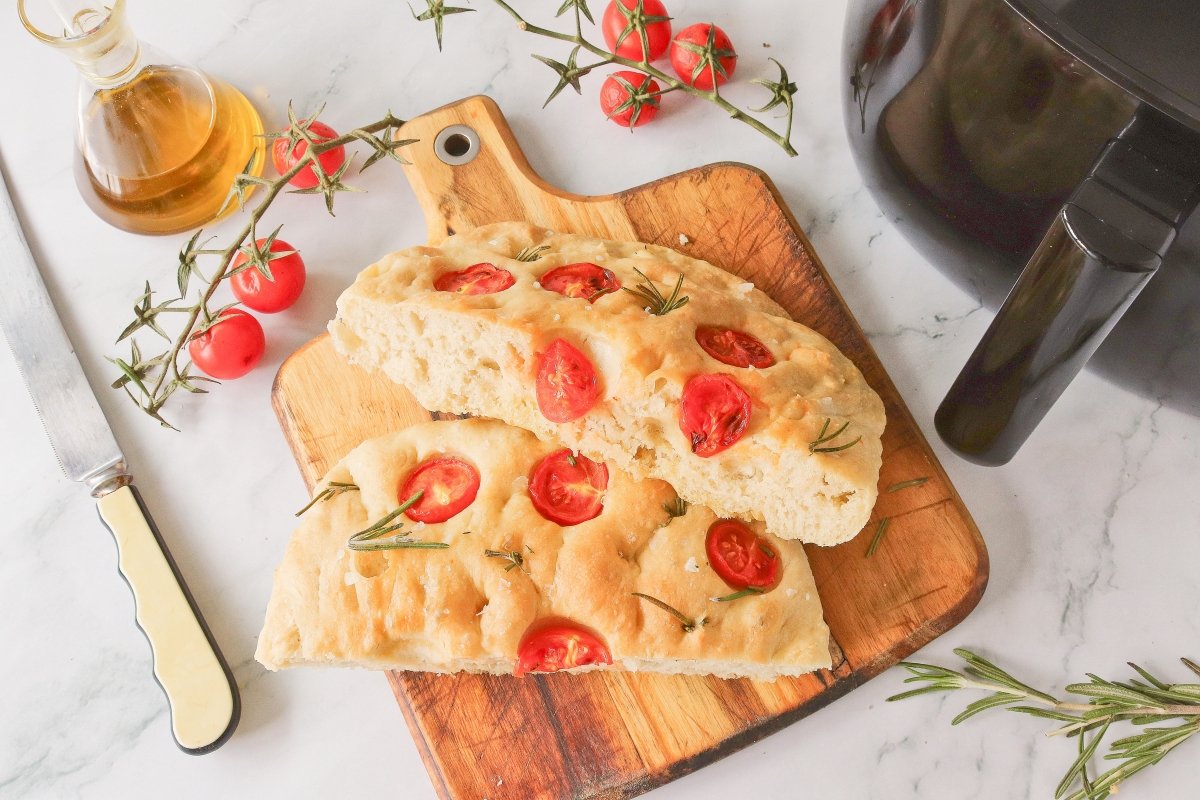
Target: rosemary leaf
x=332, y=489
x=909, y=484
x=513, y=557
x=529, y=254
x=687, y=623
x=749, y=591
x=880, y=530
x=675, y=508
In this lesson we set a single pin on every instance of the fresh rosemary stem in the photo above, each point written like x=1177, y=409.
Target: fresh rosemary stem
x=1142, y=702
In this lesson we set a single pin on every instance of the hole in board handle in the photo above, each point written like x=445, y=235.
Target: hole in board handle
x=456, y=145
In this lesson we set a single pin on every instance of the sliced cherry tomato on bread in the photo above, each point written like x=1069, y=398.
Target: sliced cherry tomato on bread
x=741, y=557
x=567, y=386
x=701, y=51
x=331, y=160
x=275, y=293
x=568, y=489
x=559, y=645
x=230, y=347
x=587, y=281
x=447, y=485
x=622, y=37
x=480, y=278
x=734, y=348
x=713, y=413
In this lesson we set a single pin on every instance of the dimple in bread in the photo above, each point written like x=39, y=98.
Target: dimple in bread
x=480, y=354
x=459, y=609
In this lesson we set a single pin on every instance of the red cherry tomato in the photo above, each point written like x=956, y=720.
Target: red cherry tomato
x=713, y=413
x=658, y=31
x=687, y=56
x=230, y=347
x=448, y=485
x=884, y=34
x=567, y=386
x=734, y=348
x=331, y=160
x=741, y=558
x=615, y=99
x=272, y=294
x=561, y=645
x=587, y=281
x=566, y=493
x=480, y=278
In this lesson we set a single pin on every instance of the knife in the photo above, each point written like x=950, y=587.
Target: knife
x=200, y=689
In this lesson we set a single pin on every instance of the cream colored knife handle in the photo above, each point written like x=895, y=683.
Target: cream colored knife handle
x=187, y=664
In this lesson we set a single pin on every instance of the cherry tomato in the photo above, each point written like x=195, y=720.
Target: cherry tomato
x=734, y=348
x=658, y=28
x=688, y=57
x=566, y=493
x=587, y=281
x=560, y=645
x=741, y=558
x=448, y=485
x=331, y=160
x=230, y=347
x=713, y=413
x=272, y=294
x=886, y=35
x=567, y=386
x=629, y=108
x=480, y=278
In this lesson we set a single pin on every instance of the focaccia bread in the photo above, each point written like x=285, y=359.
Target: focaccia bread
x=461, y=609
x=734, y=404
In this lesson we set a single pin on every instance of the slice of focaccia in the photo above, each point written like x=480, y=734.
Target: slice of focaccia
x=518, y=556
x=587, y=342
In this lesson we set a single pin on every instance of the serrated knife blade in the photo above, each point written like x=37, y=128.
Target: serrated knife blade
x=200, y=689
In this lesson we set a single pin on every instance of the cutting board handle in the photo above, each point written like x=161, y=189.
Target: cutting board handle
x=468, y=170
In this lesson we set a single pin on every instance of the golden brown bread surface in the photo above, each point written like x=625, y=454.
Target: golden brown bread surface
x=459, y=610
x=479, y=354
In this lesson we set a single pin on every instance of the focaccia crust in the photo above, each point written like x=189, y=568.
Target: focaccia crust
x=478, y=355
x=459, y=610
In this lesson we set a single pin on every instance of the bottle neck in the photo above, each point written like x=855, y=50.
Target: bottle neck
x=98, y=41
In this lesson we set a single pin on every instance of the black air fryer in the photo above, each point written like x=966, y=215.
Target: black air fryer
x=1046, y=155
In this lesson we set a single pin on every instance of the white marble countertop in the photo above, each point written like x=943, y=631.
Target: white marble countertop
x=1092, y=528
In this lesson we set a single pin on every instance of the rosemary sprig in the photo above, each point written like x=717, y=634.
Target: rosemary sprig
x=371, y=538
x=531, y=253
x=150, y=382
x=675, y=508
x=649, y=293
x=782, y=91
x=332, y=489
x=880, y=530
x=687, y=623
x=1144, y=702
x=815, y=446
x=749, y=591
x=513, y=557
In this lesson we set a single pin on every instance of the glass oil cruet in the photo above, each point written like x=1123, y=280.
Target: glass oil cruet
x=159, y=143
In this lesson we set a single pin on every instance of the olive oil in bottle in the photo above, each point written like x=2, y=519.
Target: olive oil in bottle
x=159, y=143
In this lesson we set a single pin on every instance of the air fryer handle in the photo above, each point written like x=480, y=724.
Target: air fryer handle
x=1080, y=280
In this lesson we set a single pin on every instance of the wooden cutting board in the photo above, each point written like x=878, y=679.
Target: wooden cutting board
x=613, y=735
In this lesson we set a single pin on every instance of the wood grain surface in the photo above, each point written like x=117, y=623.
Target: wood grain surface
x=614, y=735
